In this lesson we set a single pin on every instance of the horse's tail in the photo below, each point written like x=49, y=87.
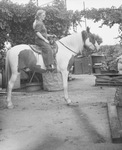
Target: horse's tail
x=7, y=69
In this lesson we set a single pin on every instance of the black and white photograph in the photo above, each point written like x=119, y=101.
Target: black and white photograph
x=60, y=75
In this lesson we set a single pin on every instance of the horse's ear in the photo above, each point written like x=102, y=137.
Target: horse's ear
x=84, y=35
x=88, y=30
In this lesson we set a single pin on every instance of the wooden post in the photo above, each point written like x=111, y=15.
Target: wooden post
x=85, y=17
x=115, y=126
x=37, y=3
x=118, y=96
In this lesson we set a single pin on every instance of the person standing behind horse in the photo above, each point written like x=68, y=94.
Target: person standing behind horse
x=41, y=39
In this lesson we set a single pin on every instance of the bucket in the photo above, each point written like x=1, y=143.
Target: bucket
x=32, y=87
x=52, y=81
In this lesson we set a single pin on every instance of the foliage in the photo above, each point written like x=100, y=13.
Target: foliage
x=108, y=16
x=58, y=19
x=111, y=52
x=17, y=20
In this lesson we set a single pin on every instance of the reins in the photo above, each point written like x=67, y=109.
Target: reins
x=73, y=50
x=70, y=49
x=67, y=47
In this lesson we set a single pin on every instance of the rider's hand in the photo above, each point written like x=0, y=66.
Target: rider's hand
x=54, y=36
x=46, y=41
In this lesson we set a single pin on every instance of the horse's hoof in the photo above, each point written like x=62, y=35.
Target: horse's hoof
x=10, y=106
x=73, y=104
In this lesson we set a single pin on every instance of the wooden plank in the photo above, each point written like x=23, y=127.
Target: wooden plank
x=117, y=77
x=103, y=77
x=110, y=79
x=115, y=126
x=110, y=82
x=109, y=75
x=103, y=80
x=117, y=80
x=3, y=92
x=107, y=83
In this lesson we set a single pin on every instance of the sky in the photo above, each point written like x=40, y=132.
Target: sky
x=107, y=34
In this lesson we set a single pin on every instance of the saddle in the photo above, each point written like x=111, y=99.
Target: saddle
x=54, y=47
x=38, y=50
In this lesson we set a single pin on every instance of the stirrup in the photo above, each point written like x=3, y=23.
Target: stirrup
x=51, y=68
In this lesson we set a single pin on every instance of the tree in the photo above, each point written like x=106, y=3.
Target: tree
x=108, y=16
x=58, y=19
x=17, y=20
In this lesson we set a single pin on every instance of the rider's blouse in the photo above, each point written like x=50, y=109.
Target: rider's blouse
x=40, y=27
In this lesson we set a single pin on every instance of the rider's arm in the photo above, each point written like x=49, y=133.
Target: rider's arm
x=38, y=28
x=42, y=37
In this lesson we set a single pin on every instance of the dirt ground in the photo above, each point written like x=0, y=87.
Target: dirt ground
x=42, y=121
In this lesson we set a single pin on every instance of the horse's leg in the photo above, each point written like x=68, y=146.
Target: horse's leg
x=9, y=89
x=65, y=85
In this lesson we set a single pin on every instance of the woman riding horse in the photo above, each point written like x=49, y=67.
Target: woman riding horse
x=67, y=47
x=41, y=39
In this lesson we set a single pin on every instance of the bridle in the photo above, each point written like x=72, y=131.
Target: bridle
x=74, y=51
x=85, y=46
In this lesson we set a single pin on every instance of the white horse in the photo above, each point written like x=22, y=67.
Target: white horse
x=67, y=46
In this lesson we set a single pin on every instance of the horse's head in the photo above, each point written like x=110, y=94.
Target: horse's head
x=90, y=42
